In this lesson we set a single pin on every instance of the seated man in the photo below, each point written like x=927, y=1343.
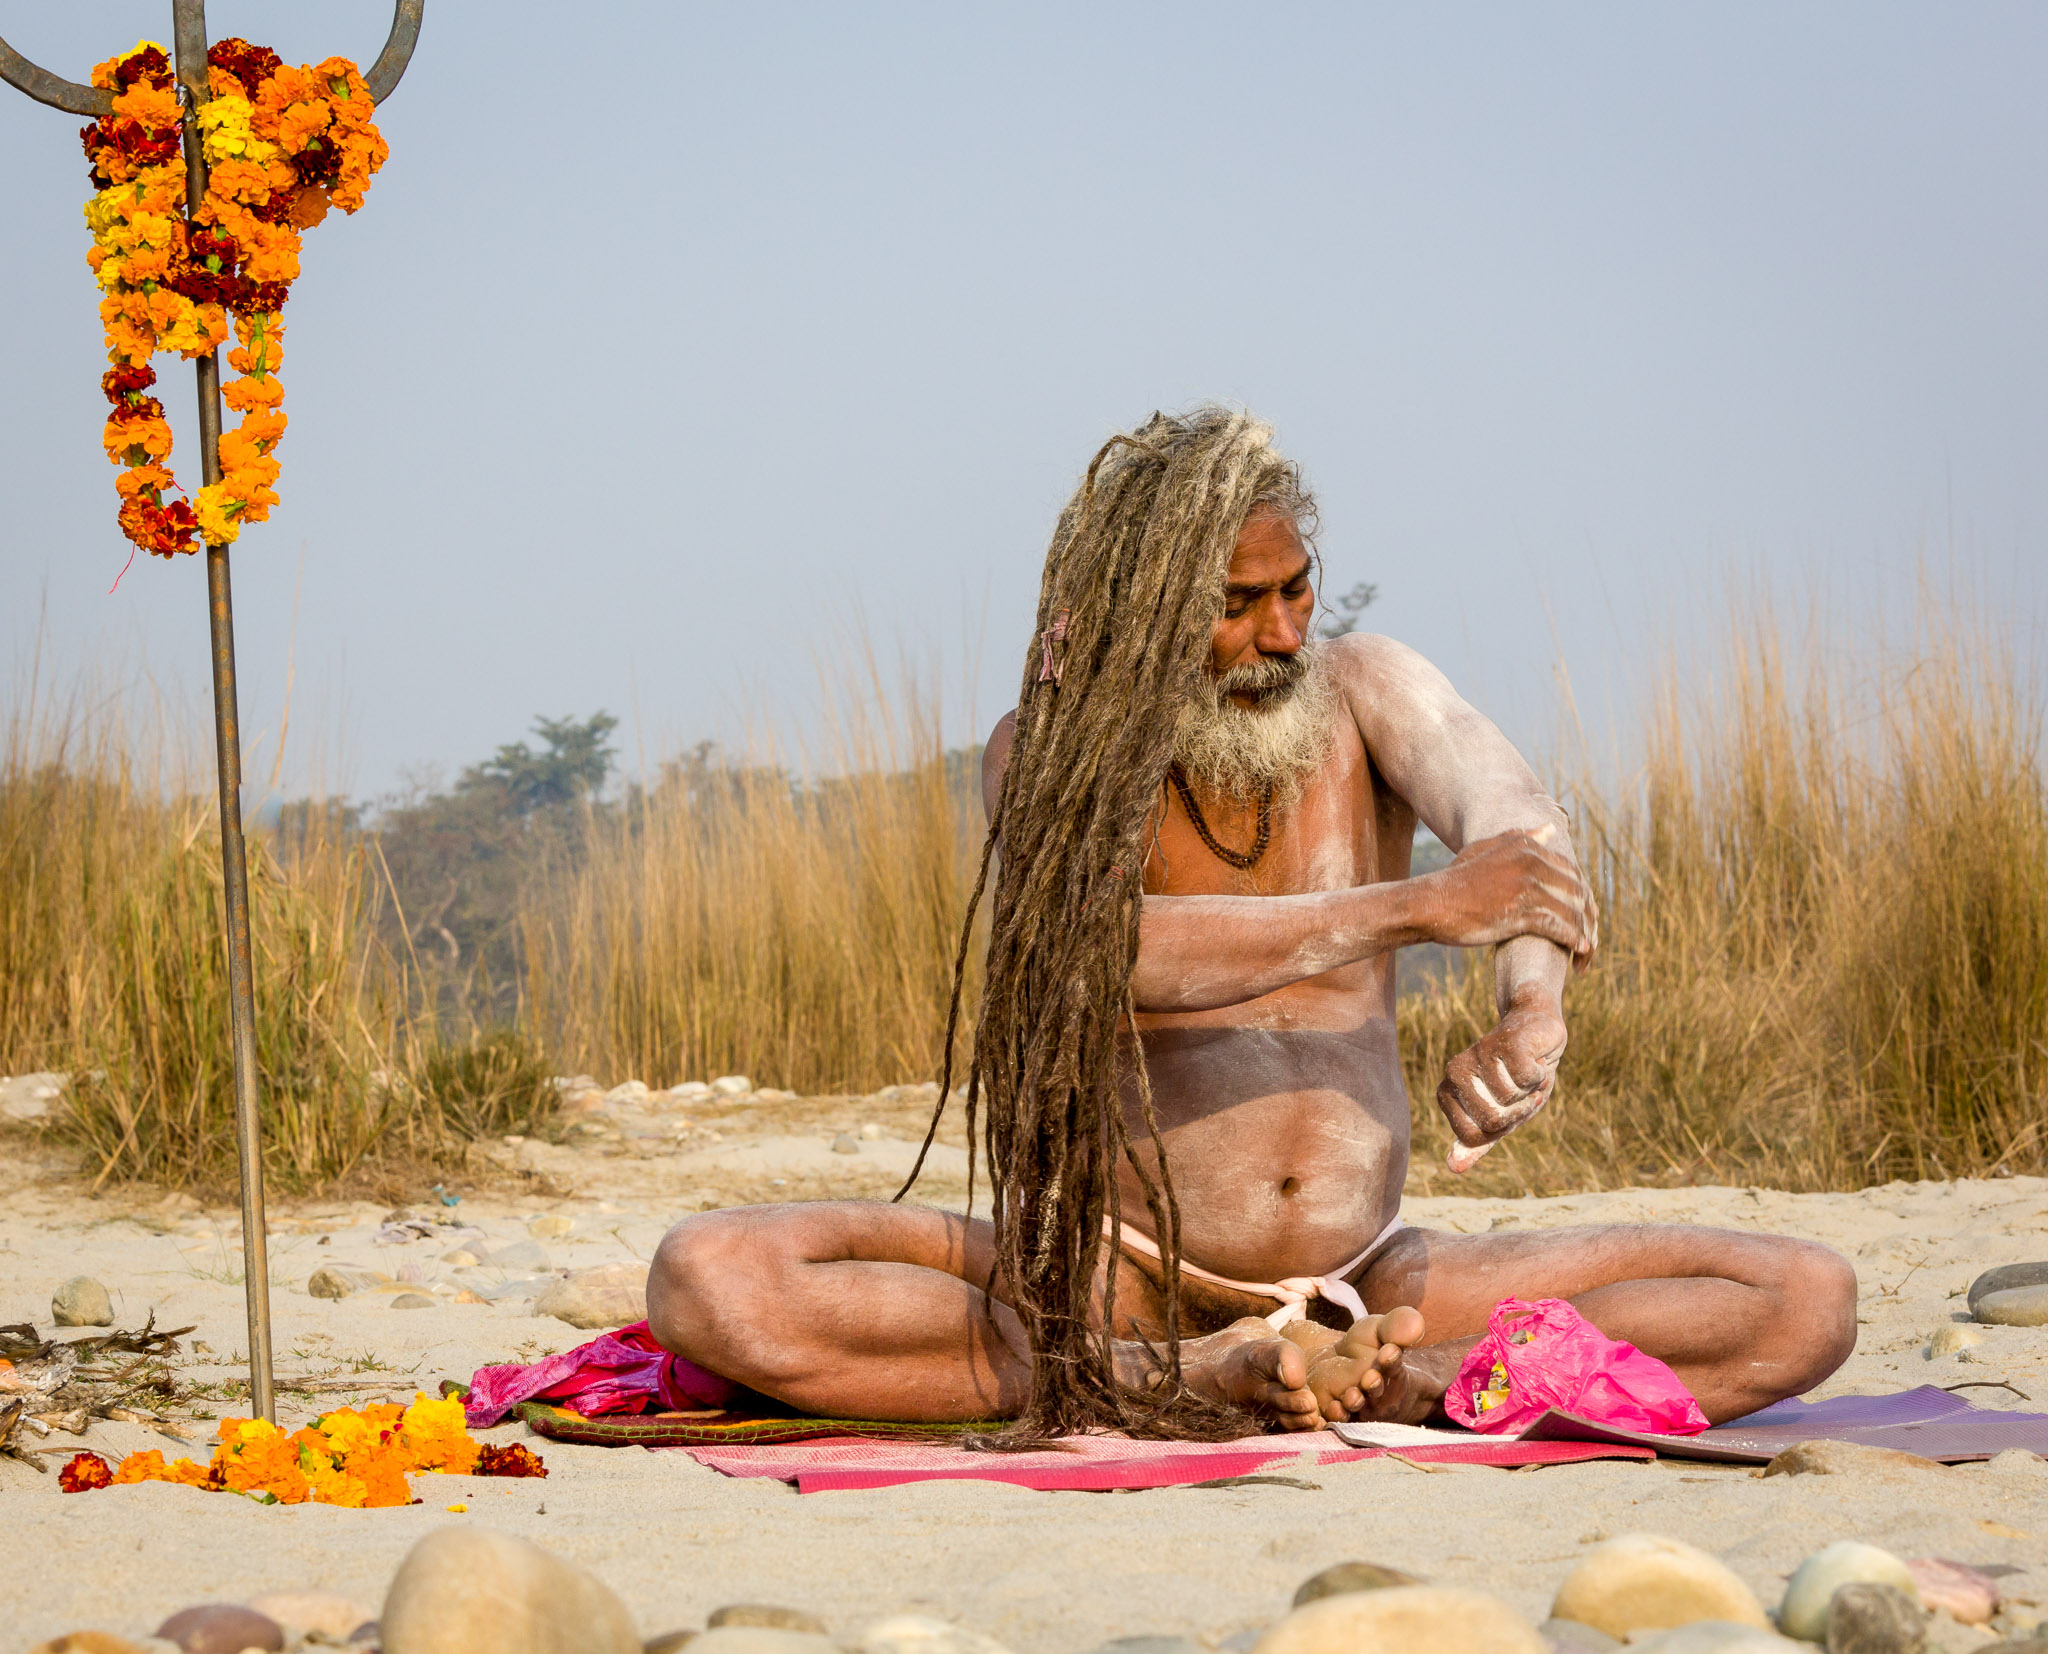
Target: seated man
x=1193, y=1113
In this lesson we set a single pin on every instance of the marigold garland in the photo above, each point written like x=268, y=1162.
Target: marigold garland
x=282, y=145
x=356, y=1459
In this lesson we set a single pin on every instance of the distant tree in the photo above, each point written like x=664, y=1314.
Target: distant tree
x=1349, y=609
x=577, y=759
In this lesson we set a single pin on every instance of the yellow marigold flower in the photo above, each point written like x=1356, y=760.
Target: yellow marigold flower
x=438, y=1436
x=229, y=136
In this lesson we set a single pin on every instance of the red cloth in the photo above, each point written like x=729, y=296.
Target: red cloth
x=1096, y=1463
x=620, y=1372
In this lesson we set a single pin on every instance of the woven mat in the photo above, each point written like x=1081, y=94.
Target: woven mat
x=724, y=1429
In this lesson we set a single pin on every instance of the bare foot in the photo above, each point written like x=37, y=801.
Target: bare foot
x=1374, y=1371
x=1251, y=1366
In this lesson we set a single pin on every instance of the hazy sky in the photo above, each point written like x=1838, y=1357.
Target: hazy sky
x=676, y=345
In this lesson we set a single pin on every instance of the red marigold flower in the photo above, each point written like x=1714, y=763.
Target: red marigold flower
x=149, y=64
x=514, y=1459
x=118, y=384
x=83, y=1472
x=251, y=65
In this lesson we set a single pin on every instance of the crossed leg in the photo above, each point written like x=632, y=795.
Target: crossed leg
x=1743, y=1319
x=859, y=1309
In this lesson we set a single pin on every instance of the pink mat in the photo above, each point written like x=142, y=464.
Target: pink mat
x=1100, y=1463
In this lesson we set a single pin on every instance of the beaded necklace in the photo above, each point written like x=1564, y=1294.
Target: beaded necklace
x=1242, y=860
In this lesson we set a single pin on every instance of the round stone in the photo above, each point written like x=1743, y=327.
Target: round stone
x=551, y=1227
x=82, y=1302
x=465, y=1588
x=921, y=1634
x=1952, y=1338
x=221, y=1628
x=324, y=1614
x=1720, y=1637
x=760, y=1639
x=412, y=1300
x=611, y=1295
x=1645, y=1582
x=1875, y=1619
x=669, y=1642
x=524, y=1254
x=2017, y=1306
x=1350, y=1576
x=1955, y=1588
x=1404, y=1619
x=1570, y=1637
x=1804, y=1612
x=1827, y=1458
x=732, y=1085
x=2004, y=1278
x=88, y=1642
x=765, y=1614
x=846, y=1143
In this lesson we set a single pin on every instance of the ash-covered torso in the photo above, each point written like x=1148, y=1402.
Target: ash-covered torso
x=1285, y=1117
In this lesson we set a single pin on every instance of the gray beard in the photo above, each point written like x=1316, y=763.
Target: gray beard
x=1279, y=743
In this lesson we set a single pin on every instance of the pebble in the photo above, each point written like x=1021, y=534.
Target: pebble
x=689, y=1089
x=413, y=1300
x=1804, y=1612
x=339, y=1280
x=1570, y=1637
x=628, y=1091
x=765, y=1614
x=462, y=1257
x=2012, y=1295
x=1952, y=1338
x=921, y=1634
x=1955, y=1588
x=82, y=1302
x=324, y=1614
x=465, y=1588
x=1404, y=1619
x=88, y=1642
x=759, y=1639
x=1875, y=1619
x=1150, y=1644
x=669, y=1642
x=1828, y=1458
x=1349, y=1576
x=611, y=1295
x=221, y=1628
x=33, y=1097
x=552, y=1227
x=2019, y=1306
x=524, y=1254
x=732, y=1085
x=1645, y=1582
x=1720, y=1637
x=846, y=1143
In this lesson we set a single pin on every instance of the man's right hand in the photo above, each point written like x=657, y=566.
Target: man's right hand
x=1507, y=886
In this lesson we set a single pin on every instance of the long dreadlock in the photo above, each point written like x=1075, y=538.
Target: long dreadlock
x=1133, y=585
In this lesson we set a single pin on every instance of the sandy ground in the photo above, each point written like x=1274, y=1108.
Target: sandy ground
x=1044, y=1573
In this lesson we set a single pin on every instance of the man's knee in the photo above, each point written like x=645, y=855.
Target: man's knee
x=1815, y=1288
x=711, y=1287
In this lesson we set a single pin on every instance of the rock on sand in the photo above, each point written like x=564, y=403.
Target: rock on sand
x=221, y=1628
x=82, y=1302
x=1804, y=1612
x=1875, y=1619
x=1404, y=1619
x=1350, y=1576
x=611, y=1295
x=1645, y=1582
x=921, y=1634
x=1828, y=1458
x=467, y=1588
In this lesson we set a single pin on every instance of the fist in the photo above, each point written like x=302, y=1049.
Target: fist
x=1494, y=1086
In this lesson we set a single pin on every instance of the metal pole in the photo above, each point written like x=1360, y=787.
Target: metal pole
x=190, y=25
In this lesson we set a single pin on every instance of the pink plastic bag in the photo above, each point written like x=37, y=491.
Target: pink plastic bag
x=1540, y=1355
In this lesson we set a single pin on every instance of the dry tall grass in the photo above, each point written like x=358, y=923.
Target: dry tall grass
x=112, y=968
x=1826, y=909
x=1825, y=888
x=740, y=918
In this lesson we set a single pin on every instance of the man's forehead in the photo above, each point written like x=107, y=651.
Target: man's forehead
x=1268, y=553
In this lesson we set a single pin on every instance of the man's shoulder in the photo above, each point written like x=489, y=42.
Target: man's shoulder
x=1373, y=661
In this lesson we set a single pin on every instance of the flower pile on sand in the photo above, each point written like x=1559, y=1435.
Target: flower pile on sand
x=357, y=1459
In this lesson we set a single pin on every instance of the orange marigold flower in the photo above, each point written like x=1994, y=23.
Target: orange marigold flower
x=83, y=1472
x=244, y=394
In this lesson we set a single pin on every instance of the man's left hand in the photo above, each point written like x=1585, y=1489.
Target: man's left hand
x=1494, y=1086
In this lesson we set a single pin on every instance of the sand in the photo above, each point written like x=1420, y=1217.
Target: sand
x=1045, y=1573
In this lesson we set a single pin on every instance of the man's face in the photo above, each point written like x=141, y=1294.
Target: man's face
x=1268, y=601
